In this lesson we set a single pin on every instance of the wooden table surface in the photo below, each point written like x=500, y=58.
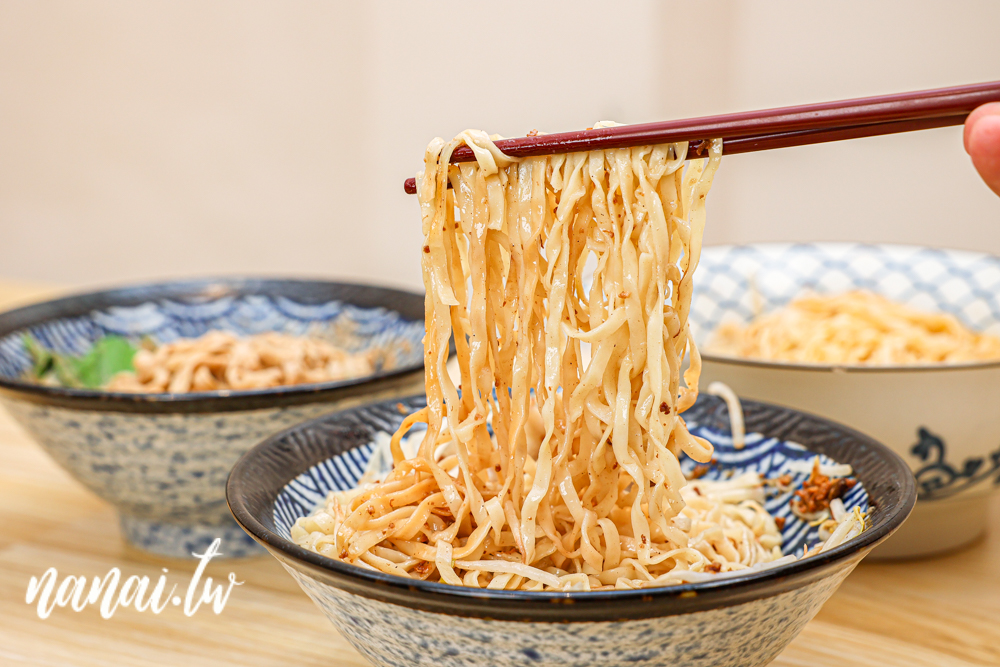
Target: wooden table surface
x=942, y=612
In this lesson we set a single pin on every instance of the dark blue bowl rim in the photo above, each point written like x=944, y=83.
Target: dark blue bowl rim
x=410, y=305
x=247, y=499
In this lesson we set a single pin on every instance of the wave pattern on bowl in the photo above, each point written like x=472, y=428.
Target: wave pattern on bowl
x=343, y=324
x=737, y=282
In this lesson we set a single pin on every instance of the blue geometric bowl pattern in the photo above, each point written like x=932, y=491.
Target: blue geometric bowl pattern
x=769, y=457
x=751, y=634
x=350, y=327
x=165, y=473
x=733, y=283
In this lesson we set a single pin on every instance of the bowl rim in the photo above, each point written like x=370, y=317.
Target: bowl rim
x=848, y=368
x=409, y=305
x=555, y=606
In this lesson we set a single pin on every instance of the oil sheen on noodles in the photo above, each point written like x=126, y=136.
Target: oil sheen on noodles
x=554, y=463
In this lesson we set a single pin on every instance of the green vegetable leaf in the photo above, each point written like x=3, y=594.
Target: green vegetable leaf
x=109, y=356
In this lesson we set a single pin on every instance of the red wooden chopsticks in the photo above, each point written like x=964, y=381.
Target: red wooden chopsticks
x=768, y=128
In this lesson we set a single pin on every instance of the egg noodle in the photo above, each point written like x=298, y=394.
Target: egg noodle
x=856, y=327
x=554, y=463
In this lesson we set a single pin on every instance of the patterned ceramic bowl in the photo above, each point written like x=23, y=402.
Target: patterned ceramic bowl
x=943, y=420
x=737, y=621
x=162, y=459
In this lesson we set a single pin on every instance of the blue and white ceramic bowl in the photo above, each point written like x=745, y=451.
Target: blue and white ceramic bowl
x=162, y=459
x=942, y=419
x=736, y=621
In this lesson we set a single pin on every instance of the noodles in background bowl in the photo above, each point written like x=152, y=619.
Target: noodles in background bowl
x=554, y=463
x=854, y=328
x=222, y=361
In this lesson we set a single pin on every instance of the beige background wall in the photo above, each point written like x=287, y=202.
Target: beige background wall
x=150, y=139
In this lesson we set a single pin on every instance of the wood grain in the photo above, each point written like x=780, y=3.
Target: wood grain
x=942, y=612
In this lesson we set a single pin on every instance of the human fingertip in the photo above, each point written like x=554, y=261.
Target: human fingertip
x=988, y=109
x=984, y=149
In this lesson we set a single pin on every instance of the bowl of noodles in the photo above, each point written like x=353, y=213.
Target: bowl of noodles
x=902, y=343
x=753, y=569
x=148, y=394
x=563, y=495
